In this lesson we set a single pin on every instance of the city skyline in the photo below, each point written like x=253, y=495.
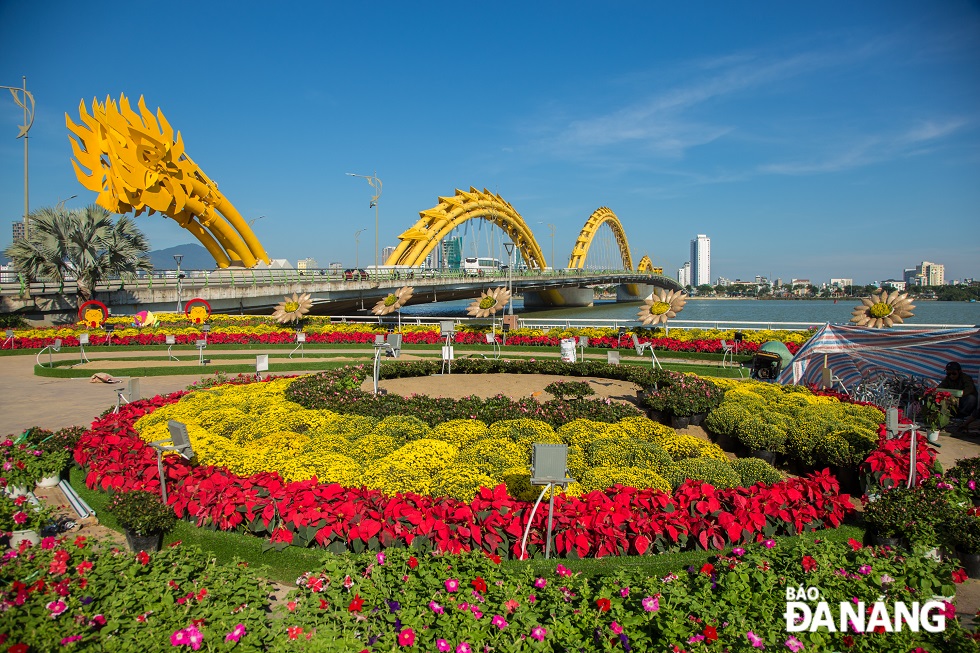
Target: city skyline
x=812, y=141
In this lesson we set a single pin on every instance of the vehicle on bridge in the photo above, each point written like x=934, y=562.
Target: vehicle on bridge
x=355, y=275
x=477, y=267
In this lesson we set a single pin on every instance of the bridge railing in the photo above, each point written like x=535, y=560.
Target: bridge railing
x=12, y=283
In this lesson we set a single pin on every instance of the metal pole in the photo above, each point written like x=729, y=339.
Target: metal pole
x=26, y=186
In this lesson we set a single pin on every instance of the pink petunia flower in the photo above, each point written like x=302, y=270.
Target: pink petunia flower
x=615, y=627
x=435, y=607
x=452, y=585
x=56, y=608
x=236, y=633
x=754, y=640
x=406, y=637
x=651, y=603
x=498, y=621
x=194, y=637
x=769, y=544
x=463, y=648
x=794, y=644
x=179, y=638
x=443, y=646
x=541, y=583
x=538, y=633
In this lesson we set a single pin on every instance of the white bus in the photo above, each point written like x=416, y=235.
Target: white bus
x=474, y=267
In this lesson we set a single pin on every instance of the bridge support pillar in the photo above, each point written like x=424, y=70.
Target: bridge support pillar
x=559, y=297
x=634, y=292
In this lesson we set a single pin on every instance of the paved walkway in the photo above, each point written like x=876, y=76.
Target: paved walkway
x=27, y=400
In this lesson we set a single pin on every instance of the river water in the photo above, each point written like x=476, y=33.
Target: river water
x=803, y=313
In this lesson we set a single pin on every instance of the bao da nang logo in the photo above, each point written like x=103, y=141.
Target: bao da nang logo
x=807, y=611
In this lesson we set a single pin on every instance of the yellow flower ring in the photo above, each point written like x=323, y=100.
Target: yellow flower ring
x=197, y=310
x=391, y=299
x=291, y=306
x=93, y=313
x=488, y=302
x=880, y=310
x=659, y=308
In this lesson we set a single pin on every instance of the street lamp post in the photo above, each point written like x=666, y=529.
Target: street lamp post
x=25, y=100
x=61, y=203
x=509, y=248
x=376, y=185
x=552, y=259
x=357, y=248
x=177, y=258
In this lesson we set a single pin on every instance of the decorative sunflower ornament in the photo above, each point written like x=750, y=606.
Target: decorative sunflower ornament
x=882, y=309
x=394, y=301
x=661, y=306
x=292, y=309
x=489, y=303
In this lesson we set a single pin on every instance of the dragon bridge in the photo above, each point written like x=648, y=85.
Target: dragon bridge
x=136, y=163
x=600, y=216
x=436, y=223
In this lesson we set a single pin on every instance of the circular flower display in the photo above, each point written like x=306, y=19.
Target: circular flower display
x=882, y=309
x=197, y=310
x=489, y=303
x=661, y=306
x=291, y=309
x=93, y=313
x=394, y=301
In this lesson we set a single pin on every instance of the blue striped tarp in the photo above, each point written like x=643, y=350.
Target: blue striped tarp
x=857, y=353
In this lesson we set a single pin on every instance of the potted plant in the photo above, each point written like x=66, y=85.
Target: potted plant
x=965, y=477
x=917, y=515
x=23, y=519
x=965, y=537
x=685, y=398
x=56, y=449
x=935, y=411
x=144, y=518
x=763, y=439
x=564, y=390
x=20, y=468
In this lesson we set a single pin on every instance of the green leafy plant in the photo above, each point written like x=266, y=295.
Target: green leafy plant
x=23, y=514
x=563, y=390
x=141, y=512
x=965, y=533
x=918, y=514
x=683, y=395
x=935, y=409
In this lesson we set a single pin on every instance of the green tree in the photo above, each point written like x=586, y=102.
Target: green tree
x=82, y=244
x=706, y=289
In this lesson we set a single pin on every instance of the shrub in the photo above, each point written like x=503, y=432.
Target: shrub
x=965, y=533
x=718, y=473
x=373, y=447
x=411, y=468
x=564, y=390
x=918, y=514
x=581, y=432
x=643, y=428
x=461, y=432
x=524, y=432
x=754, y=470
x=494, y=455
x=600, y=478
x=681, y=446
x=757, y=434
x=462, y=482
x=141, y=512
x=403, y=428
x=725, y=419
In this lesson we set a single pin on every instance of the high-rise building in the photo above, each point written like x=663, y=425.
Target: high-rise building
x=386, y=253
x=925, y=274
x=18, y=228
x=684, y=275
x=700, y=261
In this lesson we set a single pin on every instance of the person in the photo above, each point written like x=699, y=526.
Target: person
x=957, y=380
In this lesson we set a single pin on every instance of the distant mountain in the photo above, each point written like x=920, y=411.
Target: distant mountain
x=195, y=258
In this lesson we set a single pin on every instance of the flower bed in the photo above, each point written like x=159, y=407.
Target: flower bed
x=612, y=522
x=65, y=593
x=241, y=330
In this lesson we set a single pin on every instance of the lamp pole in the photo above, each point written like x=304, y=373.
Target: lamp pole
x=376, y=185
x=61, y=204
x=552, y=227
x=177, y=258
x=509, y=247
x=25, y=100
x=357, y=247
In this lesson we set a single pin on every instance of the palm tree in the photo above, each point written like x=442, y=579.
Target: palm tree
x=82, y=244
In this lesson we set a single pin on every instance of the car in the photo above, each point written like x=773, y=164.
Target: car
x=355, y=275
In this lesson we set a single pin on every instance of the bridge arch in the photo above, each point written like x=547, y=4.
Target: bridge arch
x=438, y=222
x=602, y=215
x=645, y=264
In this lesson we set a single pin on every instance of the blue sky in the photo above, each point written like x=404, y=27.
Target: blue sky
x=808, y=140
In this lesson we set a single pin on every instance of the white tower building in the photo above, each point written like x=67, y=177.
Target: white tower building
x=700, y=261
